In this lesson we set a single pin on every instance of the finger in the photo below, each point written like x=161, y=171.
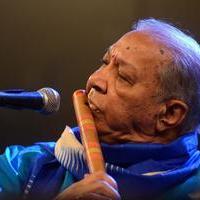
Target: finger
x=97, y=186
x=86, y=175
x=82, y=189
x=105, y=189
x=112, y=181
x=95, y=196
x=105, y=177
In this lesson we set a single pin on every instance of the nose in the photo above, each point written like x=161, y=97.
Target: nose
x=97, y=81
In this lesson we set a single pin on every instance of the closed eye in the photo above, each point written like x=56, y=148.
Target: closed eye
x=123, y=78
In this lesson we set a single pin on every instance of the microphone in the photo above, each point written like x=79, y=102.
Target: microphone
x=45, y=100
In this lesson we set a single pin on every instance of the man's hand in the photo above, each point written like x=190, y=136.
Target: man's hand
x=96, y=186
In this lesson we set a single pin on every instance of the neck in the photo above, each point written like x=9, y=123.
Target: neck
x=163, y=137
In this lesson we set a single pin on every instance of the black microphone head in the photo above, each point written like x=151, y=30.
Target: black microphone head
x=51, y=100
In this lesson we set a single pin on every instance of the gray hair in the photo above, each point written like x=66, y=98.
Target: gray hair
x=181, y=79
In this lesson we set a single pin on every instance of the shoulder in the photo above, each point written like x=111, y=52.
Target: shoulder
x=186, y=190
x=17, y=154
x=17, y=162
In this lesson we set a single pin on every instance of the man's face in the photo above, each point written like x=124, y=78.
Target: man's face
x=122, y=93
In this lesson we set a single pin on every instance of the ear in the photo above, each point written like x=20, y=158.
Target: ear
x=172, y=114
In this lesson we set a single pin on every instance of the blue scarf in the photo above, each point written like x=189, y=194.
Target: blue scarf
x=145, y=170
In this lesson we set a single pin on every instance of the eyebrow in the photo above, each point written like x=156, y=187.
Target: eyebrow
x=119, y=59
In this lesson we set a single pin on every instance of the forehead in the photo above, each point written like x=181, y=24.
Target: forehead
x=137, y=43
x=141, y=50
x=133, y=38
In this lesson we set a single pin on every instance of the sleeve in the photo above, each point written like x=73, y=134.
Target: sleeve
x=15, y=166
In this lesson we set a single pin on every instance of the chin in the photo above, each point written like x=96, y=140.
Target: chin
x=105, y=133
x=102, y=127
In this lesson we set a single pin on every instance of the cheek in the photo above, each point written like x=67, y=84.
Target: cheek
x=117, y=115
x=137, y=111
x=142, y=114
x=144, y=118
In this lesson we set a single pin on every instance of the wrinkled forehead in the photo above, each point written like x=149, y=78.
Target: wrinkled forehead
x=140, y=45
x=135, y=41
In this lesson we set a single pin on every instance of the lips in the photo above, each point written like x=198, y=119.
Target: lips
x=92, y=105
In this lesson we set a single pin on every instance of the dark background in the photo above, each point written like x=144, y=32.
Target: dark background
x=58, y=43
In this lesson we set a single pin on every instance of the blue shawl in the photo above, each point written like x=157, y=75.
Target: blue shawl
x=146, y=170
x=142, y=171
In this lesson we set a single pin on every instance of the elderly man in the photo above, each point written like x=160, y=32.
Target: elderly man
x=145, y=99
